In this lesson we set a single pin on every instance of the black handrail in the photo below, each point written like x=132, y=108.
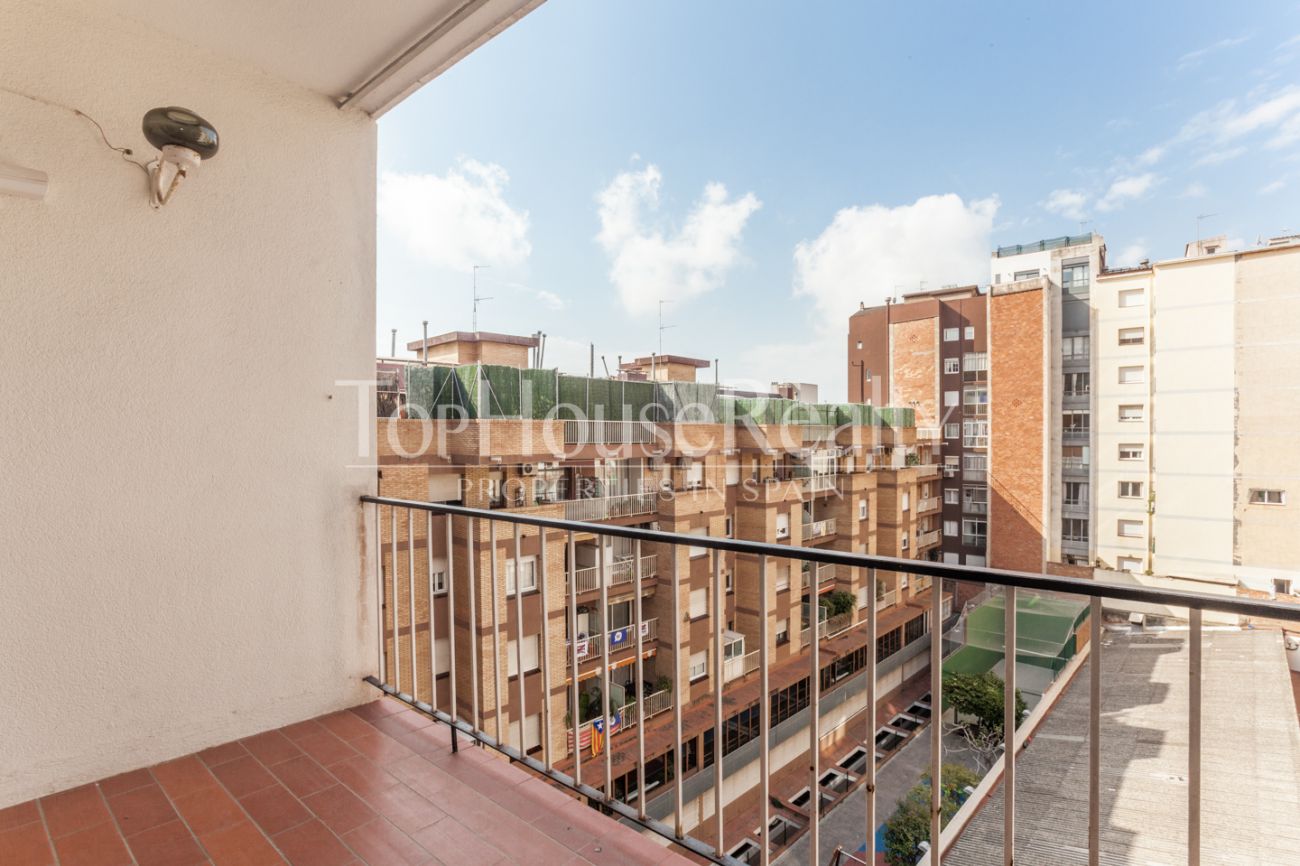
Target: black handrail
x=967, y=573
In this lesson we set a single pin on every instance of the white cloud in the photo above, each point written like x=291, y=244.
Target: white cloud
x=1214, y=157
x=650, y=262
x=1151, y=155
x=1195, y=189
x=1229, y=121
x=1194, y=58
x=1126, y=189
x=1067, y=202
x=456, y=220
x=550, y=299
x=1272, y=187
x=866, y=251
x=1131, y=254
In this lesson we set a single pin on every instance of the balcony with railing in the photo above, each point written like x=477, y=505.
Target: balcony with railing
x=607, y=507
x=927, y=504
x=813, y=529
x=591, y=432
x=825, y=574
x=617, y=573
x=928, y=539
x=621, y=639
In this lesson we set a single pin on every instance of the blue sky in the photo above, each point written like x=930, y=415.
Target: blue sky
x=766, y=166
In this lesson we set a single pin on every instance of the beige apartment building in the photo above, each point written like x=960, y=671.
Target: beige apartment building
x=1132, y=424
x=752, y=466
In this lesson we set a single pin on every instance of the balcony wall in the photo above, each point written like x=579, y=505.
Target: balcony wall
x=179, y=530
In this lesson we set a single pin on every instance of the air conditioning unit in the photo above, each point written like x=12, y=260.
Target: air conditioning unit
x=528, y=469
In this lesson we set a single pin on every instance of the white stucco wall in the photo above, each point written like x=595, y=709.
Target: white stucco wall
x=1192, y=444
x=180, y=556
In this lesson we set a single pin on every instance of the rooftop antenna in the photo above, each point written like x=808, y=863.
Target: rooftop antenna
x=393, y=352
x=478, y=268
x=662, y=326
x=1199, y=217
x=425, y=345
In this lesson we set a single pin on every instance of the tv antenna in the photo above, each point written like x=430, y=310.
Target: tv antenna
x=1199, y=217
x=477, y=297
x=662, y=326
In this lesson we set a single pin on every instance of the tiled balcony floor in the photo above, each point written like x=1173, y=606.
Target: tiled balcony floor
x=377, y=784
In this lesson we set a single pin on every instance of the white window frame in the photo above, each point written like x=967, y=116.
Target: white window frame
x=695, y=552
x=907, y=500
x=951, y=528
x=970, y=332
x=1131, y=336
x=1134, y=489
x=698, y=603
x=782, y=575
x=530, y=574
x=1133, y=375
x=1132, y=412
x=951, y=430
x=1267, y=496
x=1129, y=528
x=950, y=335
x=951, y=398
x=531, y=653
x=862, y=509
x=782, y=524
x=699, y=666
x=951, y=365
x=1137, y=451
x=439, y=575
x=1132, y=298
x=951, y=496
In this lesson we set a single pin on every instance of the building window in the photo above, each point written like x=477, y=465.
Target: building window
x=1281, y=586
x=1132, y=298
x=783, y=524
x=439, y=575
x=974, y=363
x=859, y=344
x=699, y=665
x=1132, y=336
x=1076, y=493
x=1267, y=497
x=782, y=575
x=914, y=630
x=951, y=496
x=975, y=500
x=529, y=653
x=1074, y=456
x=888, y=644
x=975, y=434
x=951, y=365
x=974, y=466
x=950, y=398
x=907, y=500
x=782, y=631
x=695, y=551
x=1075, y=348
x=1129, y=528
x=1130, y=490
x=1131, y=412
x=529, y=570
x=1074, y=529
x=1129, y=563
x=949, y=335
x=970, y=332
x=1078, y=384
x=1074, y=281
x=733, y=473
x=532, y=732
x=699, y=603
x=974, y=533
x=862, y=509
x=1130, y=451
x=1076, y=423
x=1025, y=275
x=976, y=401
x=950, y=528
x=1132, y=375
x=951, y=430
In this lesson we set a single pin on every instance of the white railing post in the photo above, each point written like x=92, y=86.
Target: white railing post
x=1194, y=741
x=1009, y=720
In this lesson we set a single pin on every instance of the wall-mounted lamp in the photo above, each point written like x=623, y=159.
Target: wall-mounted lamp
x=185, y=140
x=22, y=182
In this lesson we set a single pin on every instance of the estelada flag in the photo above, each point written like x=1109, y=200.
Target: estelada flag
x=597, y=736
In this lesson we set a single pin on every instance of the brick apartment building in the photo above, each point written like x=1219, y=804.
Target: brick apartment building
x=650, y=448
x=1061, y=398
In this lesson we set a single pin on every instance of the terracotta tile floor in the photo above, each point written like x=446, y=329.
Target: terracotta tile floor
x=377, y=784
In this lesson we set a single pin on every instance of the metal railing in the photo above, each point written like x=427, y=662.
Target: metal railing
x=927, y=538
x=825, y=574
x=622, y=571
x=829, y=627
x=605, y=507
x=818, y=483
x=733, y=668
x=626, y=716
x=467, y=633
x=587, y=432
x=591, y=645
x=929, y=503
x=819, y=528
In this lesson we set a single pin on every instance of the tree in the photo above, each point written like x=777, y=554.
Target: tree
x=837, y=602
x=981, y=696
x=910, y=823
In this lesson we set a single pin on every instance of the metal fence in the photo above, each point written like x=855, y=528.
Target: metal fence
x=411, y=664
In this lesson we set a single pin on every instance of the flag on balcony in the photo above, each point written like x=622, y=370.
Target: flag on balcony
x=598, y=732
